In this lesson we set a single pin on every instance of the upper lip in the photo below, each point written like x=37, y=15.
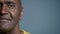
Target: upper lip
x=4, y=19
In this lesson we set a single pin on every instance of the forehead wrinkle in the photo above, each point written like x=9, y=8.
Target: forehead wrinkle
x=7, y=0
x=18, y=1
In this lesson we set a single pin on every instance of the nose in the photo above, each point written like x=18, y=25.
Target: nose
x=3, y=9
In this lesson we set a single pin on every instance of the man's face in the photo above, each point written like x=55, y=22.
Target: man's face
x=10, y=12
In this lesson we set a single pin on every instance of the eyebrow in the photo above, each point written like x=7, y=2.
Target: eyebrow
x=10, y=2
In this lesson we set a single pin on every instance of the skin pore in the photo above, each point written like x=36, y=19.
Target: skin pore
x=10, y=14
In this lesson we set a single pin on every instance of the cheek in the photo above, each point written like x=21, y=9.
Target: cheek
x=15, y=14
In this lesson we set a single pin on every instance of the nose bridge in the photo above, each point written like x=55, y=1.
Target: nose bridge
x=4, y=8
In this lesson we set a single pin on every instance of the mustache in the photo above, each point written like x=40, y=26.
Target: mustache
x=7, y=16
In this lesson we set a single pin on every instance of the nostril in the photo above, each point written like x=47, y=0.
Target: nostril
x=2, y=13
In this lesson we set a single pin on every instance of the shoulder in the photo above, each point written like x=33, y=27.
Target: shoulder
x=24, y=32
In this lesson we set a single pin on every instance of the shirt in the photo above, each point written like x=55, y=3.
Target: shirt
x=25, y=32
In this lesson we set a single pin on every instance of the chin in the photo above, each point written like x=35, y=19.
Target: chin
x=6, y=26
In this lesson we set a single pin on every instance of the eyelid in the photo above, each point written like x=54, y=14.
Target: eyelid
x=10, y=4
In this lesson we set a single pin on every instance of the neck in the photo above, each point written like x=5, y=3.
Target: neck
x=16, y=30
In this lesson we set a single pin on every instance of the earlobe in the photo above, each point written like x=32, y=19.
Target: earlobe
x=21, y=15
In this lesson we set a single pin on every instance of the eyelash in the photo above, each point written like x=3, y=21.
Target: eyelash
x=11, y=6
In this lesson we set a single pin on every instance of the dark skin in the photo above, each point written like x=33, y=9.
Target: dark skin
x=10, y=14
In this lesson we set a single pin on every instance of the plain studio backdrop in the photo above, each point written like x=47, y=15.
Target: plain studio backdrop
x=41, y=16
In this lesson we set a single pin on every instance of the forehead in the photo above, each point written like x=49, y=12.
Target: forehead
x=9, y=0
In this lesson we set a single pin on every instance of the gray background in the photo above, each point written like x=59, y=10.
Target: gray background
x=41, y=16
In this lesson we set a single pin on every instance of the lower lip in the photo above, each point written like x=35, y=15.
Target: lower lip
x=4, y=20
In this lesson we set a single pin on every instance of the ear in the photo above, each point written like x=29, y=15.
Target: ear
x=21, y=14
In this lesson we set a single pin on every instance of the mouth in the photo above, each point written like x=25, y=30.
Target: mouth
x=4, y=19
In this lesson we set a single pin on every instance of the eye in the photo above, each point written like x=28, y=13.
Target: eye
x=11, y=6
x=1, y=5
